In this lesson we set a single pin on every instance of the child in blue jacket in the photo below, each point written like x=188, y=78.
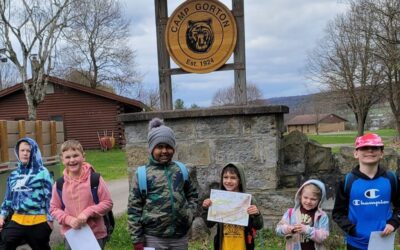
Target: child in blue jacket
x=27, y=200
x=369, y=200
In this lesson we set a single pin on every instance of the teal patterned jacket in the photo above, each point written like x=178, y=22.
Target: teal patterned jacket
x=168, y=209
x=28, y=189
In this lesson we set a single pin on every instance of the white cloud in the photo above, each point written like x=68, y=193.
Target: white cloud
x=278, y=35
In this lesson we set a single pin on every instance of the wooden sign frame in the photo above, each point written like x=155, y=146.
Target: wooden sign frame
x=164, y=65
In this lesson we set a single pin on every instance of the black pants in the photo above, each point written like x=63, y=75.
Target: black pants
x=36, y=236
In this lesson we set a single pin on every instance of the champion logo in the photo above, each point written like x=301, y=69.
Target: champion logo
x=371, y=193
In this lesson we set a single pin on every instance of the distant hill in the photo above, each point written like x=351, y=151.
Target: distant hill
x=308, y=104
x=298, y=105
x=292, y=102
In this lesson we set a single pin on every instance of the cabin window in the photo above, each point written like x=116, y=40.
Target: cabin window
x=57, y=118
x=20, y=118
x=49, y=88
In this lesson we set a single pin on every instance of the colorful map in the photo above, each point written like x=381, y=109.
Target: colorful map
x=229, y=207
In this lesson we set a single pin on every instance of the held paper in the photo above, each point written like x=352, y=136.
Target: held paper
x=229, y=207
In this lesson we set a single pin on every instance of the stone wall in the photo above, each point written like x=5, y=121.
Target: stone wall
x=207, y=139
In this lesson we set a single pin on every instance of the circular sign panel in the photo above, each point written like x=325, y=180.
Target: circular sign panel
x=201, y=35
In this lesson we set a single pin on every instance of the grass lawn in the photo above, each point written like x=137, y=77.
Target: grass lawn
x=349, y=137
x=110, y=164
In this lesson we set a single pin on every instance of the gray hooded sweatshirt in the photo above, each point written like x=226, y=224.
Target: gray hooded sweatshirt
x=255, y=221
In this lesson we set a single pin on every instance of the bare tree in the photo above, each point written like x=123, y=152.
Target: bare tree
x=29, y=29
x=8, y=74
x=153, y=99
x=319, y=101
x=97, y=46
x=149, y=96
x=345, y=64
x=386, y=16
x=226, y=96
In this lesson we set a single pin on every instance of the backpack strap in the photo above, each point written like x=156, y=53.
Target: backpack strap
x=184, y=170
x=142, y=179
x=348, y=181
x=59, y=185
x=290, y=213
x=393, y=179
x=94, y=186
x=393, y=182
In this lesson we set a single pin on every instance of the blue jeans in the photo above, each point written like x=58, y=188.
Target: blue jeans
x=166, y=243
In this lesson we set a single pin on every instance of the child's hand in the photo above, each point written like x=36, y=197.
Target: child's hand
x=388, y=230
x=299, y=228
x=290, y=229
x=1, y=222
x=207, y=203
x=253, y=210
x=75, y=224
x=138, y=246
x=82, y=219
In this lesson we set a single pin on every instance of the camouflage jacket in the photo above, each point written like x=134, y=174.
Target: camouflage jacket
x=167, y=211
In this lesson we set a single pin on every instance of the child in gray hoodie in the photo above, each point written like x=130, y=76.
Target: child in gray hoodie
x=233, y=236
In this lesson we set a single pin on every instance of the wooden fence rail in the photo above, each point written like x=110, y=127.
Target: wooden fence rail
x=48, y=134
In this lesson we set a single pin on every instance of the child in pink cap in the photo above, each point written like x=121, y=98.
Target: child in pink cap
x=367, y=199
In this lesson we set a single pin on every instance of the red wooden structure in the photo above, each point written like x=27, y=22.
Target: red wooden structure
x=83, y=110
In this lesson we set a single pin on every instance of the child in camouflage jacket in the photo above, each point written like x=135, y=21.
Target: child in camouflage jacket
x=162, y=217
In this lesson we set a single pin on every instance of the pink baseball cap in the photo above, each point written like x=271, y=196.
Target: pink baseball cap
x=369, y=140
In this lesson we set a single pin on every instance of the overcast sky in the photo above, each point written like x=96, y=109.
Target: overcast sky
x=279, y=33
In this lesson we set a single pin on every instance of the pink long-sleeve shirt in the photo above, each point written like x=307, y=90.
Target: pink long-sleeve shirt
x=77, y=198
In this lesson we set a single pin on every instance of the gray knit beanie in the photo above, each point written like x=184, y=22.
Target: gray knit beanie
x=159, y=133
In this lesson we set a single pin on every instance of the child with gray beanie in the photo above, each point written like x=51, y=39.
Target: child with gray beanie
x=159, y=133
x=161, y=217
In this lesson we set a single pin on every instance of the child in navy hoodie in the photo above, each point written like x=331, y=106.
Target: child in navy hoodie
x=365, y=197
x=27, y=200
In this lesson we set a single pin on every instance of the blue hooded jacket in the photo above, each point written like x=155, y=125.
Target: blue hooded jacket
x=29, y=186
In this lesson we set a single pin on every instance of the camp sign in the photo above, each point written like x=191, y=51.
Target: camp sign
x=201, y=35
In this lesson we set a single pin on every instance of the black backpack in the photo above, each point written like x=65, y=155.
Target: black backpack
x=94, y=184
